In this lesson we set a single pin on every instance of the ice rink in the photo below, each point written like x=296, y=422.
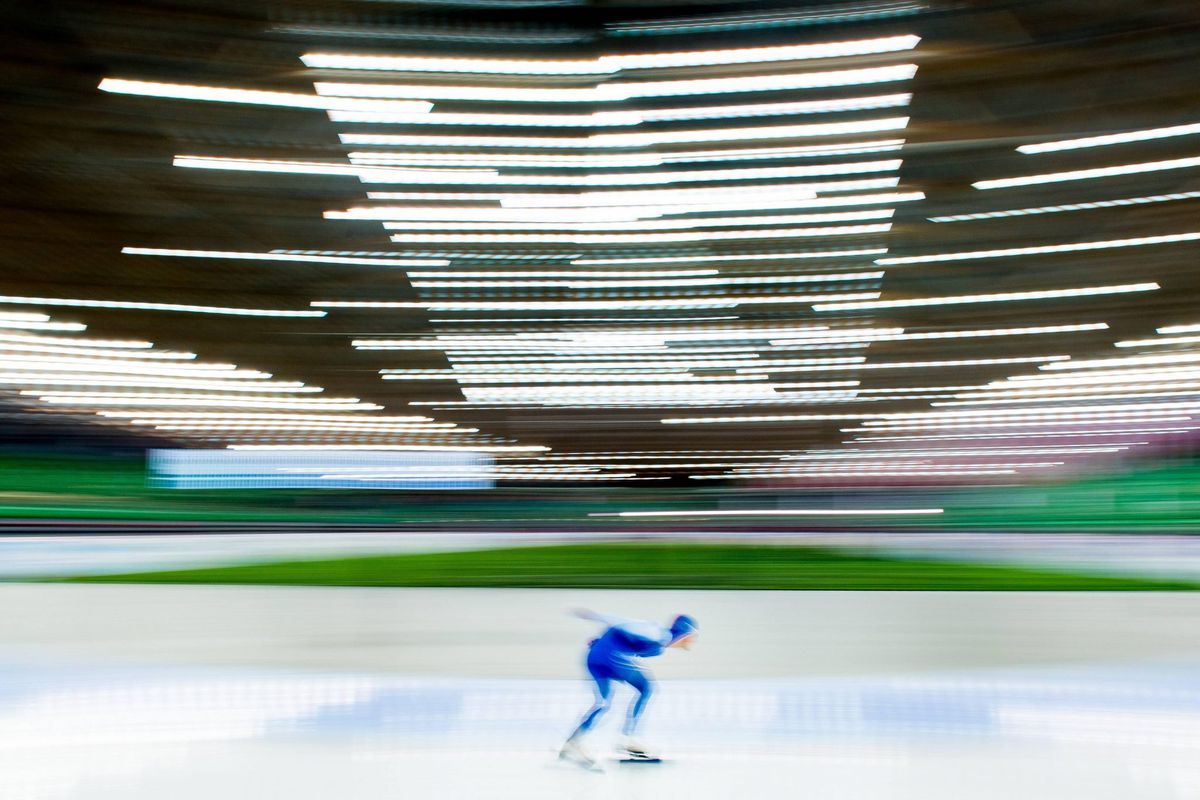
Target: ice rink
x=138, y=692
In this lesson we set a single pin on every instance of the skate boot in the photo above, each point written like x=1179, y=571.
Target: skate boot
x=631, y=751
x=571, y=751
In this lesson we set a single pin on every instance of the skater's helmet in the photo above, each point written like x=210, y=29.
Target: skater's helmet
x=681, y=626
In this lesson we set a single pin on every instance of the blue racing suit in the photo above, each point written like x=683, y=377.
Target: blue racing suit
x=613, y=657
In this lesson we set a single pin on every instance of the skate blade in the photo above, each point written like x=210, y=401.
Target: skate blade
x=639, y=761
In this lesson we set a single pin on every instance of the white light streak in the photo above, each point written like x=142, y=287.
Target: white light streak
x=999, y=297
x=1144, y=135
x=313, y=259
x=1041, y=250
x=647, y=227
x=1128, y=361
x=138, y=306
x=479, y=448
x=572, y=274
x=1070, y=433
x=570, y=305
x=863, y=251
x=1159, y=342
x=762, y=280
x=607, y=119
x=619, y=91
x=898, y=334
x=763, y=366
x=123, y=344
x=192, y=400
x=643, y=238
x=220, y=94
x=133, y=355
x=141, y=417
x=1021, y=212
x=627, y=140
x=777, y=512
x=679, y=197
x=1179, y=329
x=75, y=379
x=611, y=63
x=1088, y=174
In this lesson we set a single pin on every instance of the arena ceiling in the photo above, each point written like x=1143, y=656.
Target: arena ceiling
x=724, y=240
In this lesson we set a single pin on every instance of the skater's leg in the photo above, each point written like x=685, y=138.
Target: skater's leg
x=602, y=704
x=644, y=687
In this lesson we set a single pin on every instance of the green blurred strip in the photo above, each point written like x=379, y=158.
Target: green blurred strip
x=650, y=566
x=1151, y=499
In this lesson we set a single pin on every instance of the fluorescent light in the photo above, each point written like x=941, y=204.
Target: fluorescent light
x=1096, y=376
x=1127, y=361
x=237, y=255
x=86, y=363
x=496, y=161
x=572, y=274
x=611, y=63
x=221, y=94
x=763, y=365
x=1021, y=212
x=577, y=378
x=1103, y=140
x=1074, y=394
x=1088, y=174
x=141, y=417
x=12, y=324
x=1068, y=433
x=192, y=400
x=642, y=238
x=1040, y=250
x=1073, y=418
x=603, y=119
x=1161, y=341
x=600, y=284
x=753, y=20
x=1180, y=329
x=1000, y=297
x=1112, y=409
x=480, y=448
x=619, y=91
x=484, y=177
x=627, y=140
x=570, y=305
x=776, y=512
x=401, y=175
x=647, y=217
x=130, y=344
x=132, y=355
x=763, y=418
x=862, y=251
x=69, y=379
x=898, y=334
x=649, y=226
x=690, y=196
x=957, y=472
x=137, y=306
x=266, y=165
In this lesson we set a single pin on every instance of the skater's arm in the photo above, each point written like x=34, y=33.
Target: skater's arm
x=634, y=627
x=606, y=619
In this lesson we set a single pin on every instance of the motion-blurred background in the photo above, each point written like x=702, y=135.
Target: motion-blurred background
x=476, y=309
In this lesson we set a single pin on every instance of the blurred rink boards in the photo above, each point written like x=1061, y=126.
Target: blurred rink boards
x=236, y=692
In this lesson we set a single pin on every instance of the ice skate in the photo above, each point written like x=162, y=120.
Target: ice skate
x=572, y=752
x=632, y=752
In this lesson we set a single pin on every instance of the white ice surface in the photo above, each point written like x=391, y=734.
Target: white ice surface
x=200, y=693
